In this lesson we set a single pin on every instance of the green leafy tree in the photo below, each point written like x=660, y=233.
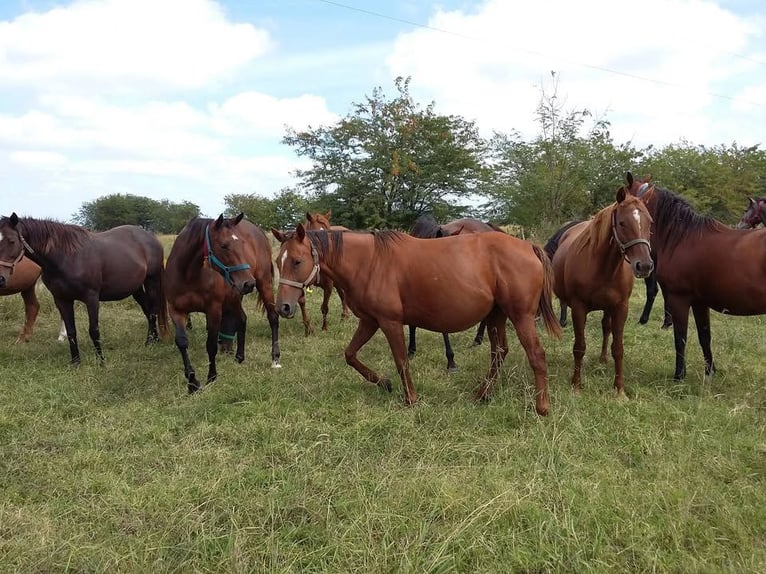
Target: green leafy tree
x=112, y=210
x=282, y=211
x=389, y=161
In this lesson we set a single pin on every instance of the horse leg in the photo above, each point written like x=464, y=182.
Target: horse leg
x=652, y=288
x=563, y=314
x=606, y=330
x=307, y=328
x=31, y=309
x=153, y=302
x=327, y=287
x=62, y=332
x=579, y=316
x=93, y=329
x=180, y=321
x=450, y=354
x=141, y=298
x=477, y=340
x=679, y=310
x=702, y=320
x=66, y=310
x=412, y=346
x=497, y=352
x=213, y=324
x=526, y=331
x=239, y=356
x=228, y=331
x=364, y=332
x=667, y=320
x=395, y=336
x=345, y=312
x=273, y=317
x=619, y=316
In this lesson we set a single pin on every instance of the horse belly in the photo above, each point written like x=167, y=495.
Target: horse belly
x=447, y=314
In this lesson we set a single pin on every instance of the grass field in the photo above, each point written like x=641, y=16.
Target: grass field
x=113, y=468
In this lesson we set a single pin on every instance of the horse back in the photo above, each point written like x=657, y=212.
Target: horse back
x=24, y=276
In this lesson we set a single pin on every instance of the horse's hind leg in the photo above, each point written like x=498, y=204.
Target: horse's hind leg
x=213, y=322
x=527, y=335
x=498, y=349
x=327, y=287
x=606, y=331
x=66, y=310
x=153, y=305
x=450, y=354
x=563, y=314
x=31, y=309
x=345, y=312
x=142, y=298
x=93, y=329
x=364, y=332
x=619, y=316
x=412, y=346
x=652, y=288
x=579, y=316
x=307, y=328
x=395, y=336
x=702, y=320
x=182, y=342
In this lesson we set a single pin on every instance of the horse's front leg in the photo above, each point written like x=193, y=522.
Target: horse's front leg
x=364, y=332
x=619, y=316
x=239, y=356
x=66, y=310
x=307, y=328
x=395, y=336
x=702, y=320
x=180, y=322
x=679, y=310
x=31, y=309
x=412, y=345
x=92, y=304
x=562, y=314
x=579, y=316
x=652, y=288
x=477, y=340
x=449, y=353
x=327, y=287
x=606, y=331
x=213, y=324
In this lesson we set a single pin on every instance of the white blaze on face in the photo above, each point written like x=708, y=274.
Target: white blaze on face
x=282, y=262
x=234, y=237
x=1, y=235
x=637, y=217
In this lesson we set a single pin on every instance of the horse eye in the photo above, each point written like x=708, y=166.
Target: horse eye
x=297, y=262
x=622, y=224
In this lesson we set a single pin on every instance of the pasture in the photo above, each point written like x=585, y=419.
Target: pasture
x=308, y=469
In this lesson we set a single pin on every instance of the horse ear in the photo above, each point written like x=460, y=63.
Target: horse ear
x=219, y=221
x=279, y=235
x=300, y=232
x=629, y=178
x=328, y=214
x=620, y=197
x=439, y=232
x=238, y=218
x=750, y=199
x=309, y=217
x=14, y=219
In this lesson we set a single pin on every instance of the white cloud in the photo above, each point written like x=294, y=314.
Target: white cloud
x=40, y=159
x=492, y=64
x=113, y=45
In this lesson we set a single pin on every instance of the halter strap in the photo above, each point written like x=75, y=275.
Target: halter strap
x=643, y=189
x=226, y=270
x=628, y=244
x=311, y=279
x=25, y=247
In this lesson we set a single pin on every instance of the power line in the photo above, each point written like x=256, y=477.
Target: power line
x=542, y=54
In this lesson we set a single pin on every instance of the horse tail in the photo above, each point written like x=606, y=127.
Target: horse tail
x=162, y=320
x=545, y=307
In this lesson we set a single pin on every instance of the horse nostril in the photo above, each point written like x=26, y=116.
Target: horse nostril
x=2, y=282
x=285, y=309
x=248, y=287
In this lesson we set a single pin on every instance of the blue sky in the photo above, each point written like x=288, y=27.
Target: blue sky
x=188, y=99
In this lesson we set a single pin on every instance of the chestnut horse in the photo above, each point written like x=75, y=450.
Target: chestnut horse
x=425, y=227
x=316, y=221
x=591, y=274
x=754, y=215
x=23, y=280
x=90, y=267
x=392, y=279
x=211, y=265
x=702, y=264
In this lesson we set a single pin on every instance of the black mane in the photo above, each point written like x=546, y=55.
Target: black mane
x=675, y=219
x=553, y=243
x=45, y=235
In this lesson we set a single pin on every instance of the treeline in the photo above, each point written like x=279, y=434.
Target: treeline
x=161, y=216
x=391, y=160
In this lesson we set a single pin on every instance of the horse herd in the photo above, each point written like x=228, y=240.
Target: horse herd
x=473, y=274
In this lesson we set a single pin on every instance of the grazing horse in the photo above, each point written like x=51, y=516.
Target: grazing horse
x=425, y=227
x=211, y=265
x=316, y=221
x=90, y=267
x=591, y=274
x=702, y=264
x=650, y=281
x=392, y=279
x=755, y=214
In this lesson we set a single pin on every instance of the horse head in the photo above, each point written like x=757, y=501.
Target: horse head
x=754, y=214
x=298, y=266
x=225, y=251
x=631, y=227
x=316, y=221
x=12, y=246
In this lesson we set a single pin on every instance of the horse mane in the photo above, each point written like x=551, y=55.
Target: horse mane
x=425, y=227
x=675, y=219
x=192, y=236
x=329, y=243
x=48, y=234
x=598, y=230
x=552, y=245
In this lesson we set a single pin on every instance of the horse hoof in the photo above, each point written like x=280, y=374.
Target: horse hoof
x=275, y=365
x=239, y=358
x=643, y=320
x=386, y=384
x=542, y=411
x=452, y=369
x=476, y=344
x=621, y=396
x=193, y=387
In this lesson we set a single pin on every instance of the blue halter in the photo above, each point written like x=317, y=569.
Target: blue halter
x=215, y=262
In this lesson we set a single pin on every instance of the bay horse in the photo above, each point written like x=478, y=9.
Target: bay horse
x=591, y=274
x=754, y=215
x=650, y=281
x=78, y=265
x=211, y=265
x=426, y=227
x=316, y=221
x=392, y=279
x=702, y=264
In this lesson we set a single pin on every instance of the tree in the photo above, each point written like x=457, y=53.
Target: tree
x=390, y=161
x=283, y=211
x=112, y=210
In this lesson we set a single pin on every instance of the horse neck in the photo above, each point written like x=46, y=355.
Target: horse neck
x=191, y=259
x=49, y=250
x=344, y=269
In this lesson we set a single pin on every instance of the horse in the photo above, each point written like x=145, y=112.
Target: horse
x=425, y=227
x=392, y=279
x=652, y=288
x=90, y=267
x=591, y=274
x=316, y=221
x=211, y=265
x=24, y=279
x=755, y=214
x=702, y=264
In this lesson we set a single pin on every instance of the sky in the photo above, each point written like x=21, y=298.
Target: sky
x=190, y=99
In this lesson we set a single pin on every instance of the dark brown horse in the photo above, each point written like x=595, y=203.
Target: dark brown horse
x=314, y=222
x=392, y=279
x=426, y=227
x=78, y=265
x=211, y=265
x=591, y=274
x=754, y=215
x=702, y=264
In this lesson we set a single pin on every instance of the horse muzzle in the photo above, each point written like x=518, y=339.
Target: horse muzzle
x=286, y=310
x=2, y=281
x=246, y=287
x=642, y=269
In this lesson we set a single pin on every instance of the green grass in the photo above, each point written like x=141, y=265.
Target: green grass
x=114, y=468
